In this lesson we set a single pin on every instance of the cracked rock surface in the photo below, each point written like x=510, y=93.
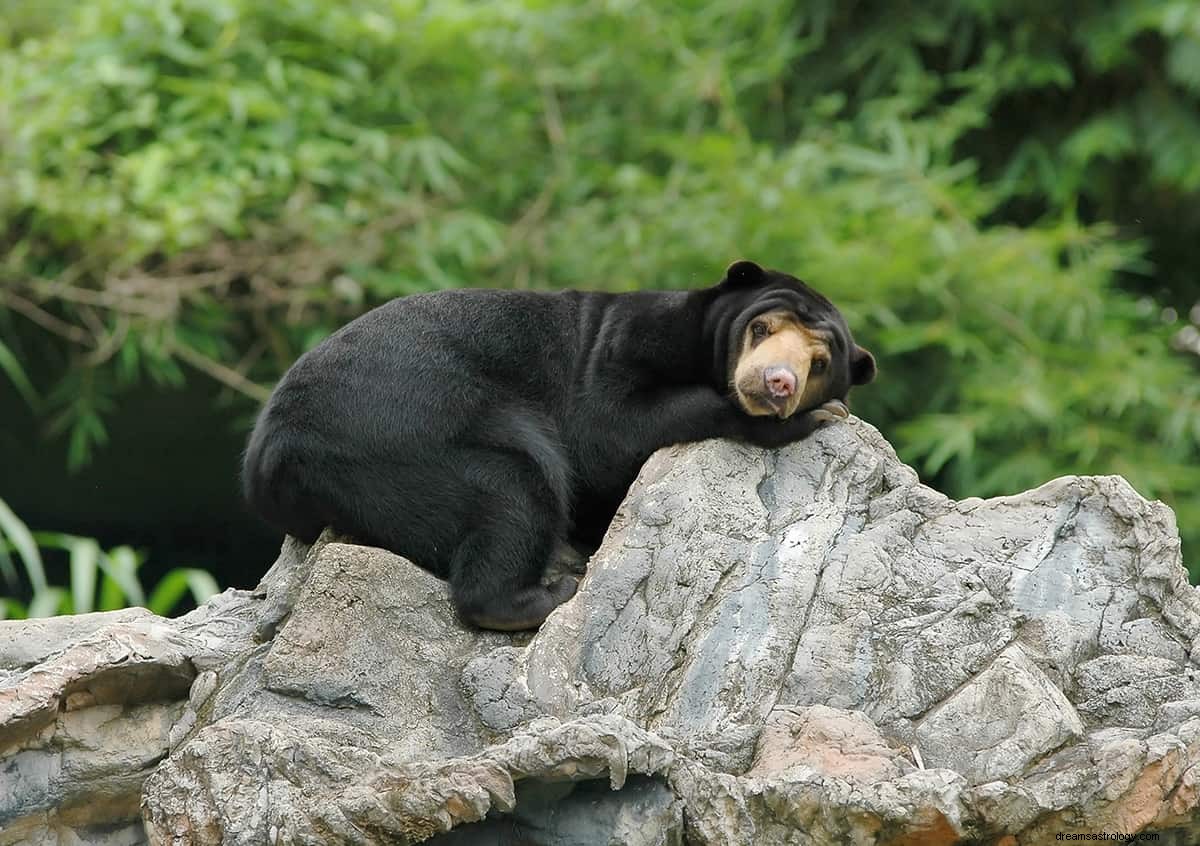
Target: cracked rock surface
x=803, y=646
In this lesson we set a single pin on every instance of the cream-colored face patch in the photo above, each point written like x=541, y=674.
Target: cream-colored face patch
x=777, y=346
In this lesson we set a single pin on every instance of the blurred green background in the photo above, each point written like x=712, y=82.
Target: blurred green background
x=1004, y=199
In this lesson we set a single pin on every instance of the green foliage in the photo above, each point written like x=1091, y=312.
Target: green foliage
x=983, y=187
x=99, y=580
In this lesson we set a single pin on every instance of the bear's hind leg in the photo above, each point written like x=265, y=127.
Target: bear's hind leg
x=495, y=573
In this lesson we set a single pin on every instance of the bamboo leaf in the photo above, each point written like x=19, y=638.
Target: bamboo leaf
x=18, y=535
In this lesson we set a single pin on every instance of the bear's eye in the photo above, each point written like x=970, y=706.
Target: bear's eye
x=758, y=330
x=819, y=365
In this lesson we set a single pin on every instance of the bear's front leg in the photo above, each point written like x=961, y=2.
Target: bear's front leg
x=677, y=415
x=772, y=433
x=697, y=412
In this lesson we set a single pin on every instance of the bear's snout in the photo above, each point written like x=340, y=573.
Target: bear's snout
x=779, y=381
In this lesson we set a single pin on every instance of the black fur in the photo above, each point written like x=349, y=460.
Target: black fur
x=474, y=431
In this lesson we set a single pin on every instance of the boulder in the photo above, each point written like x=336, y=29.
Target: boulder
x=804, y=646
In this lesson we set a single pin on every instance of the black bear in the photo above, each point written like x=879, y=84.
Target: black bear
x=476, y=431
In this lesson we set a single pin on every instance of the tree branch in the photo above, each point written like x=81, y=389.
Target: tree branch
x=225, y=375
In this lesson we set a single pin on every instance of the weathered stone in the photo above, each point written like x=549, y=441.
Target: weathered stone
x=999, y=722
x=840, y=744
x=373, y=635
x=87, y=706
x=794, y=647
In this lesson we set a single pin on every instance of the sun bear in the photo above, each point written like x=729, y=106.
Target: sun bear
x=475, y=432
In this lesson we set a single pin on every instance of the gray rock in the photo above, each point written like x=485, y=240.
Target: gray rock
x=999, y=722
x=374, y=639
x=87, y=705
x=795, y=647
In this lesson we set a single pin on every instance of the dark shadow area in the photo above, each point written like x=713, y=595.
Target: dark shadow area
x=585, y=813
x=166, y=483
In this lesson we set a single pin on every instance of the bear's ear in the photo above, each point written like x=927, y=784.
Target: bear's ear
x=743, y=273
x=862, y=366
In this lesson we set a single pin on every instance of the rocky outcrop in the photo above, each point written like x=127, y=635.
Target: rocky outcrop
x=796, y=647
x=88, y=705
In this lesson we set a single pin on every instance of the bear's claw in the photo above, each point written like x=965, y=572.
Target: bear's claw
x=562, y=589
x=831, y=411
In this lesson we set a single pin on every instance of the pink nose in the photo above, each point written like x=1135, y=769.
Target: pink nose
x=780, y=381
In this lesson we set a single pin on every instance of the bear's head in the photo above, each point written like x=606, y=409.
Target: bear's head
x=779, y=345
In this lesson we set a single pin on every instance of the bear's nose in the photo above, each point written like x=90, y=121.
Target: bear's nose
x=780, y=381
